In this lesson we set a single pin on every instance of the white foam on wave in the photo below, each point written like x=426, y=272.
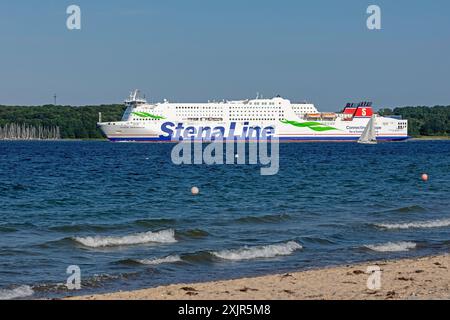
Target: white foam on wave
x=169, y=259
x=248, y=253
x=17, y=293
x=164, y=236
x=392, y=247
x=416, y=225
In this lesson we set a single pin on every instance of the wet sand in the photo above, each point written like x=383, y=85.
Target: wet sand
x=422, y=278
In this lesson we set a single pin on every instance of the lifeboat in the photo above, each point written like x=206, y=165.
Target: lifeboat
x=315, y=116
x=329, y=116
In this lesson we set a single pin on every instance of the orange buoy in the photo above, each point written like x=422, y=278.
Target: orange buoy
x=425, y=177
x=195, y=191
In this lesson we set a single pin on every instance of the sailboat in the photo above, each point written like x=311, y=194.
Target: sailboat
x=369, y=135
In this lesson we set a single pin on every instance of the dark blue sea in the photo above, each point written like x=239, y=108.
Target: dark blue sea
x=125, y=214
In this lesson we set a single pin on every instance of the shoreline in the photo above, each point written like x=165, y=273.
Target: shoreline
x=430, y=138
x=414, y=278
x=423, y=138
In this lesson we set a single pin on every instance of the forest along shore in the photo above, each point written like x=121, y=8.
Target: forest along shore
x=80, y=122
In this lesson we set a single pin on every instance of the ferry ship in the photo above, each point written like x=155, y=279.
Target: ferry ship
x=244, y=119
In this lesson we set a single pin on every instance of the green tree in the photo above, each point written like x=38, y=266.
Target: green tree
x=74, y=122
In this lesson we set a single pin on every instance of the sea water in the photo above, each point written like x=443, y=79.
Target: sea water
x=124, y=213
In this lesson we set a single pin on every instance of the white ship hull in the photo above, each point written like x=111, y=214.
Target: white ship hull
x=242, y=121
x=152, y=132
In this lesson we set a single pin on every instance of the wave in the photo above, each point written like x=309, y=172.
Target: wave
x=264, y=219
x=416, y=225
x=65, y=242
x=249, y=253
x=51, y=287
x=156, y=261
x=147, y=223
x=16, y=293
x=199, y=257
x=84, y=228
x=150, y=223
x=4, y=229
x=195, y=233
x=93, y=282
x=392, y=247
x=164, y=236
x=317, y=240
x=413, y=208
x=13, y=187
x=14, y=227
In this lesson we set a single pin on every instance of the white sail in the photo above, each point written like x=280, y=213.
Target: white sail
x=369, y=135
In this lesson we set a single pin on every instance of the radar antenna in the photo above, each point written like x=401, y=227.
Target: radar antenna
x=135, y=98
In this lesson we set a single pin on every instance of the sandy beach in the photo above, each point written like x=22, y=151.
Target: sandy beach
x=422, y=278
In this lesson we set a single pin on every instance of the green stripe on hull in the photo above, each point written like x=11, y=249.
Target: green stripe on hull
x=148, y=115
x=315, y=126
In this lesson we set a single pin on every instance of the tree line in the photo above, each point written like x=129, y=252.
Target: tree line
x=81, y=122
x=422, y=120
x=73, y=122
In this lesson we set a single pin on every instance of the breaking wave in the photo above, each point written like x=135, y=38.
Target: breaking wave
x=92, y=282
x=249, y=253
x=393, y=247
x=164, y=236
x=169, y=259
x=416, y=225
x=16, y=293
x=199, y=257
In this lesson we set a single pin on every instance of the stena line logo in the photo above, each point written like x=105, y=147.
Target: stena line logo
x=180, y=132
x=364, y=112
x=220, y=145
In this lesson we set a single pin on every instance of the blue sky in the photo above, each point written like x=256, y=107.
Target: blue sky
x=195, y=50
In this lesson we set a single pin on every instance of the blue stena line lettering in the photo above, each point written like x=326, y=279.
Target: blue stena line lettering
x=177, y=132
